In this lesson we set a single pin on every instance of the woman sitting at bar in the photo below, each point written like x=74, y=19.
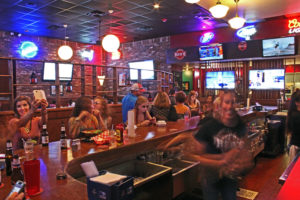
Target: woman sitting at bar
x=162, y=108
x=181, y=109
x=25, y=125
x=208, y=107
x=223, y=149
x=293, y=120
x=141, y=114
x=82, y=117
x=102, y=112
x=193, y=103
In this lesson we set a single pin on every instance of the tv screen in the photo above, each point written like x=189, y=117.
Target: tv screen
x=211, y=52
x=279, y=46
x=220, y=80
x=65, y=71
x=266, y=79
x=145, y=74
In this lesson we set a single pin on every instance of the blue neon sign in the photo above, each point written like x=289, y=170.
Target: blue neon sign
x=246, y=32
x=207, y=37
x=28, y=49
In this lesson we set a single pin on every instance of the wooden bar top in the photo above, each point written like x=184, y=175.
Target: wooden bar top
x=54, y=160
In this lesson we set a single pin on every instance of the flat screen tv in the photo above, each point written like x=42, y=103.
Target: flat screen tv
x=211, y=52
x=145, y=74
x=266, y=79
x=220, y=80
x=279, y=46
x=65, y=71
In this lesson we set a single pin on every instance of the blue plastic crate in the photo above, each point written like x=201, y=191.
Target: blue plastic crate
x=122, y=190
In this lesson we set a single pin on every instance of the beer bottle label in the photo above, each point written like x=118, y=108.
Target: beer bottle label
x=45, y=139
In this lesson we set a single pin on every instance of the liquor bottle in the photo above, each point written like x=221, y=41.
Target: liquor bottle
x=119, y=134
x=17, y=173
x=33, y=78
x=8, y=157
x=63, y=137
x=45, y=136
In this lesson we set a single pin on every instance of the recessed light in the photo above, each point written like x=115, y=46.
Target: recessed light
x=156, y=5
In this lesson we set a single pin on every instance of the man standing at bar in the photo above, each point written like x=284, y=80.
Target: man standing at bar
x=129, y=100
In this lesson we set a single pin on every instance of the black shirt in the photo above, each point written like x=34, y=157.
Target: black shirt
x=295, y=128
x=220, y=138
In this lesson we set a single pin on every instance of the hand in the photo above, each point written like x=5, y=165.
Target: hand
x=146, y=123
x=84, y=114
x=44, y=104
x=16, y=196
x=96, y=112
x=153, y=120
x=35, y=104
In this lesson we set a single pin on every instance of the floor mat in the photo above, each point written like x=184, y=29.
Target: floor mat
x=246, y=194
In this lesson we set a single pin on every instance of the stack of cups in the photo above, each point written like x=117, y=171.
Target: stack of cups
x=130, y=118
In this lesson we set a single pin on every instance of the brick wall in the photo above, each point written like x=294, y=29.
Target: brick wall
x=151, y=49
x=10, y=48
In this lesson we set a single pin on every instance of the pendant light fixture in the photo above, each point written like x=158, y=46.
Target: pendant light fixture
x=110, y=42
x=65, y=52
x=219, y=10
x=192, y=1
x=236, y=22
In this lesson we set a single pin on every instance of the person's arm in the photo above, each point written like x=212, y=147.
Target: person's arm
x=15, y=196
x=74, y=127
x=44, y=115
x=101, y=124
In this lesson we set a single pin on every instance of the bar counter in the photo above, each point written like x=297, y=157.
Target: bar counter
x=54, y=160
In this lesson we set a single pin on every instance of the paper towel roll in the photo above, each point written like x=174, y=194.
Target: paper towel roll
x=131, y=131
x=248, y=103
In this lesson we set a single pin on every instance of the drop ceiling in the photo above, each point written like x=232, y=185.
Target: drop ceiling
x=89, y=20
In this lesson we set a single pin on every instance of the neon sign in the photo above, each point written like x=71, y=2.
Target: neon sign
x=246, y=32
x=294, y=26
x=28, y=49
x=85, y=54
x=207, y=37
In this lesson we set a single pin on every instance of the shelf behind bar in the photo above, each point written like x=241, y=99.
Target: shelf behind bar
x=6, y=76
x=5, y=93
x=110, y=91
x=32, y=84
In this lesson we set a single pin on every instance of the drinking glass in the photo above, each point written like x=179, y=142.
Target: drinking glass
x=28, y=148
x=32, y=176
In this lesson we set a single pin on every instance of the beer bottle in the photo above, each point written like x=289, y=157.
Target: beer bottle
x=8, y=157
x=63, y=137
x=45, y=136
x=17, y=173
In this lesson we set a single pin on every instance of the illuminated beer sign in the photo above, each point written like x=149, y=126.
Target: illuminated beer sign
x=294, y=26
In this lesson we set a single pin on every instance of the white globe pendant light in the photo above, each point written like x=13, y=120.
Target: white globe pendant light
x=219, y=10
x=65, y=52
x=110, y=43
x=236, y=22
x=192, y=1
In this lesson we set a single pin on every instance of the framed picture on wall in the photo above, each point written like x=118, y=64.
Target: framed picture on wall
x=122, y=79
x=185, y=86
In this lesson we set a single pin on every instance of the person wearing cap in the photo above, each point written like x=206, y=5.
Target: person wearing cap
x=128, y=102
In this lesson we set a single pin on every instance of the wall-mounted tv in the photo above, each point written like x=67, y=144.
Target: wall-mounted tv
x=220, y=80
x=211, y=52
x=145, y=74
x=266, y=79
x=279, y=46
x=65, y=71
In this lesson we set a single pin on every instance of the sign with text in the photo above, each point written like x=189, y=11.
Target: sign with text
x=179, y=55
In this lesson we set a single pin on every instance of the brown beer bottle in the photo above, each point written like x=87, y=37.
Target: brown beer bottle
x=8, y=157
x=17, y=173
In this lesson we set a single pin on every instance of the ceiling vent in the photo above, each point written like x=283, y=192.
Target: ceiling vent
x=96, y=13
x=54, y=27
x=145, y=28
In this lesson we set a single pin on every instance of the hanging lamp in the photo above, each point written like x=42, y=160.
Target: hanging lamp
x=65, y=52
x=236, y=22
x=219, y=10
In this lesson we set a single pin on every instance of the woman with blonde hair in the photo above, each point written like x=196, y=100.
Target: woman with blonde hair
x=102, y=112
x=162, y=108
x=142, y=116
x=193, y=103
